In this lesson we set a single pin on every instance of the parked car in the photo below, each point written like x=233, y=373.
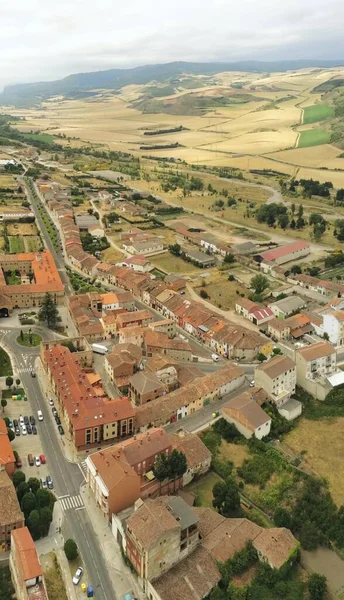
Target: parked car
x=34, y=429
x=26, y=420
x=51, y=402
x=43, y=483
x=33, y=374
x=19, y=463
x=58, y=420
x=40, y=415
x=15, y=422
x=10, y=424
x=29, y=429
x=61, y=430
x=54, y=411
x=17, y=431
x=32, y=420
x=24, y=430
x=21, y=420
x=42, y=459
x=49, y=482
x=77, y=576
x=30, y=460
x=252, y=383
x=37, y=461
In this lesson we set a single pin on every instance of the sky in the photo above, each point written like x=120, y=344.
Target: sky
x=46, y=40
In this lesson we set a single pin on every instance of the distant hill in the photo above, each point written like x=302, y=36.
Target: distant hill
x=81, y=84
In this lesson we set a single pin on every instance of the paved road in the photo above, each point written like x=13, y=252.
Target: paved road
x=67, y=476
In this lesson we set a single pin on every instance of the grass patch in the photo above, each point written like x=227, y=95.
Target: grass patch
x=12, y=278
x=172, y=264
x=54, y=581
x=29, y=339
x=316, y=112
x=203, y=489
x=16, y=244
x=313, y=137
x=236, y=453
x=33, y=243
x=223, y=293
x=13, y=391
x=5, y=364
x=39, y=137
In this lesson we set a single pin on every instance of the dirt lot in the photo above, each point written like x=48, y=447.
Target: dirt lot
x=173, y=264
x=8, y=181
x=22, y=229
x=223, y=293
x=323, y=443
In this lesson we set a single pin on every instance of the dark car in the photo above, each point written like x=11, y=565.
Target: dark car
x=61, y=430
x=26, y=420
x=33, y=374
x=29, y=429
x=54, y=411
x=34, y=429
x=15, y=423
x=32, y=420
x=17, y=431
x=19, y=463
x=58, y=420
x=49, y=482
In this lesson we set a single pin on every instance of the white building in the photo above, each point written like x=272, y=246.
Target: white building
x=316, y=364
x=333, y=325
x=278, y=378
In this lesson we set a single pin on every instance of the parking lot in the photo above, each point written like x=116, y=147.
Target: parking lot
x=29, y=443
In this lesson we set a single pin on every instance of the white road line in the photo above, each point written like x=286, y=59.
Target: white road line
x=60, y=497
x=80, y=508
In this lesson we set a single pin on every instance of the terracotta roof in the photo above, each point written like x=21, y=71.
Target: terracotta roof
x=208, y=520
x=9, y=506
x=276, y=366
x=6, y=452
x=247, y=304
x=338, y=314
x=161, y=340
x=46, y=275
x=315, y=351
x=276, y=545
x=191, y=445
x=271, y=255
x=230, y=537
x=297, y=321
x=262, y=313
x=146, y=382
x=132, y=317
x=151, y=521
x=27, y=561
x=278, y=324
x=246, y=410
x=194, y=577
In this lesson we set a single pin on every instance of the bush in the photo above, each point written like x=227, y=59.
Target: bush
x=70, y=549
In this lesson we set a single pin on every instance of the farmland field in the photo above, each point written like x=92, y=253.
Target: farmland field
x=21, y=229
x=223, y=293
x=317, y=112
x=32, y=243
x=173, y=264
x=333, y=273
x=8, y=181
x=313, y=137
x=16, y=244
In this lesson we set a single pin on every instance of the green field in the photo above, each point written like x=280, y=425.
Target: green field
x=40, y=137
x=313, y=137
x=16, y=244
x=316, y=112
x=33, y=243
x=330, y=274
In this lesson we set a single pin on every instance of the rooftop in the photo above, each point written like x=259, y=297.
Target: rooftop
x=276, y=366
x=27, y=561
x=46, y=276
x=9, y=506
x=288, y=305
x=6, y=452
x=145, y=382
x=272, y=255
x=246, y=409
x=191, y=445
x=315, y=351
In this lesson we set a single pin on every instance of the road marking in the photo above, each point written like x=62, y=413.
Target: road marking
x=83, y=468
x=71, y=502
x=61, y=497
x=80, y=508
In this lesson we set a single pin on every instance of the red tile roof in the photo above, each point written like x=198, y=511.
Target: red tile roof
x=284, y=250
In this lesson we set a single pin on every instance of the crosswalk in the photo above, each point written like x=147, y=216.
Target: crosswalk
x=71, y=502
x=83, y=468
x=24, y=370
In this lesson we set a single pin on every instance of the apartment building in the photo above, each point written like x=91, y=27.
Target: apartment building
x=314, y=365
x=278, y=378
x=92, y=419
x=156, y=342
x=145, y=386
x=26, y=569
x=333, y=326
x=11, y=517
x=245, y=412
x=134, y=319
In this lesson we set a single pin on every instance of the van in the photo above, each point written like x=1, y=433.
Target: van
x=30, y=460
x=215, y=357
x=40, y=415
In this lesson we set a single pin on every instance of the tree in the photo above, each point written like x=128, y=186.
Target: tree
x=49, y=312
x=317, y=586
x=70, y=549
x=259, y=283
x=33, y=523
x=11, y=434
x=296, y=269
x=28, y=503
x=282, y=518
x=21, y=335
x=42, y=498
x=292, y=208
x=34, y=484
x=204, y=294
x=261, y=357
x=300, y=211
x=46, y=517
x=292, y=224
x=283, y=221
x=177, y=465
x=326, y=336
x=229, y=259
x=161, y=467
x=21, y=490
x=175, y=249
x=226, y=498
x=17, y=382
x=3, y=404
x=9, y=381
x=18, y=477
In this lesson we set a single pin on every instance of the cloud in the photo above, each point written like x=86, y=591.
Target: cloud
x=45, y=40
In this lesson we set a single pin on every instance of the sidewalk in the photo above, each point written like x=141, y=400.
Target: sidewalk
x=122, y=578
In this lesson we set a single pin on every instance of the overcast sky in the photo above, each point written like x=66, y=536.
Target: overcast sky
x=46, y=39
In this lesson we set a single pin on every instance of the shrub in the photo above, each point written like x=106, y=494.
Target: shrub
x=70, y=549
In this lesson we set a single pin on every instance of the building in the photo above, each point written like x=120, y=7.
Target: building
x=92, y=420
x=84, y=222
x=118, y=476
x=291, y=252
x=333, y=326
x=244, y=306
x=122, y=363
x=26, y=570
x=300, y=325
x=278, y=329
x=138, y=263
x=202, y=259
x=159, y=343
x=160, y=533
x=146, y=247
x=314, y=365
x=7, y=460
x=96, y=231
x=11, y=517
x=145, y=386
x=38, y=276
x=286, y=307
x=278, y=378
x=245, y=412
x=197, y=455
x=320, y=286
x=133, y=319
x=166, y=326
x=113, y=301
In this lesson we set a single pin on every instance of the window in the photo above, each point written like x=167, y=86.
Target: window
x=88, y=436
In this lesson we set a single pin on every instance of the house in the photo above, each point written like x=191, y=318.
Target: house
x=166, y=326
x=244, y=248
x=26, y=570
x=333, y=326
x=287, y=306
x=115, y=300
x=138, y=263
x=11, y=517
x=277, y=377
x=202, y=259
x=321, y=286
x=146, y=247
x=85, y=221
x=245, y=412
x=159, y=343
x=210, y=243
x=256, y=313
x=96, y=231
x=197, y=455
x=160, y=533
x=244, y=306
x=131, y=335
x=314, y=365
x=278, y=329
x=118, y=476
x=299, y=324
x=122, y=362
x=144, y=387
x=133, y=319
x=284, y=254
x=7, y=460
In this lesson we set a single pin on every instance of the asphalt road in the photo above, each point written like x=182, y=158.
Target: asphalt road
x=67, y=476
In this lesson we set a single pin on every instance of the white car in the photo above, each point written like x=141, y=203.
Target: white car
x=252, y=383
x=37, y=461
x=23, y=429
x=21, y=420
x=40, y=415
x=51, y=402
x=77, y=575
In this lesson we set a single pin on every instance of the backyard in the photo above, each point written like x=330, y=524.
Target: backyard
x=12, y=278
x=203, y=489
